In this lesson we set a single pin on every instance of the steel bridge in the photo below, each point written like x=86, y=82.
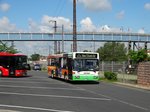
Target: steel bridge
x=81, y=36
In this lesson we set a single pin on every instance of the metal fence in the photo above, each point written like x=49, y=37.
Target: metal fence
x=125, y=72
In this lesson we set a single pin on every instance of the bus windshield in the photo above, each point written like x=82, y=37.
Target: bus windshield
x=13, y=61
x=86, y=65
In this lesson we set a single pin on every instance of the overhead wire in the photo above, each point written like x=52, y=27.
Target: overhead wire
x=59, y=7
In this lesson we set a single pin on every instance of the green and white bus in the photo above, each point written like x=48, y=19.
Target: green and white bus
x=75, y=66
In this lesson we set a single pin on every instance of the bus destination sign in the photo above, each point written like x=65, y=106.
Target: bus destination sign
x=81, y=55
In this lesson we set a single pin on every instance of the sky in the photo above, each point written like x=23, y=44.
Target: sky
x=92, y=15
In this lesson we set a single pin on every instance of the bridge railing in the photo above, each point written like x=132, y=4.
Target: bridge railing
x=81, y=36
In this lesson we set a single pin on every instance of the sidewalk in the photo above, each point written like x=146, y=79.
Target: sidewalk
x=128, y=80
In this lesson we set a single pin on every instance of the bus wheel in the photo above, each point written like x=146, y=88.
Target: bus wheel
x=66, y=77
x=52, y=74
x=1, y=73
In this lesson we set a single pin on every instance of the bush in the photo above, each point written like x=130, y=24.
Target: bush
x=110, y=76
x=44, y=68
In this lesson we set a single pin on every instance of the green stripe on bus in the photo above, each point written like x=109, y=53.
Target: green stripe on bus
x=85, y=78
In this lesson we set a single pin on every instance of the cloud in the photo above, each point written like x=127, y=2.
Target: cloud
x=4, y=7
x=121, y=14
x=47, y=24
x=107, y=28
x=6, y=26
x=33, y=26
x=147, y=6
x=96, y=5
x=141, y=30
x=30, y=47
x=87, y=25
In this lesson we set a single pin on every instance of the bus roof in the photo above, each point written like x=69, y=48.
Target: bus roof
x=55, y=56
x=10, y=54
x=88, y=55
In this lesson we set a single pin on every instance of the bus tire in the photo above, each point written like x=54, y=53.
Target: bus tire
x=1, y=73
x=52, y=74
x=66, y=76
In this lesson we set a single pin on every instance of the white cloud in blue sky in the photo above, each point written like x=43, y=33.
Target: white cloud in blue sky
x=38, y=21
x=147, y=6
x=6, y=26
x=121, y=14
x=92, y=15
x=96, y=5
x=87, y=25
x=4, y=7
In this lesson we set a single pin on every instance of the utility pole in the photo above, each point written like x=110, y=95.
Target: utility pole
x=74, y=27
x=55, y=30
x=12, y=44
x=58, y=47
x=55, y=26
x=62, y=38
x=55, y=47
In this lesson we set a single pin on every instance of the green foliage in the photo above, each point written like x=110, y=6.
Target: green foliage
x=44, y=68
x=110, y=76
x=148, y=58
x=5, y=48
x=12, y=50
x=113, y=51
x=138, y=56
x=35, y=57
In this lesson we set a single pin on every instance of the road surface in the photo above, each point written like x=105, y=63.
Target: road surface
x=38, y=93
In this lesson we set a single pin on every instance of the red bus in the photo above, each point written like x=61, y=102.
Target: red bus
x=13, y=64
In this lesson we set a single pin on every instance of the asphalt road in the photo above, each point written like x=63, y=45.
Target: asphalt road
x=38, y=93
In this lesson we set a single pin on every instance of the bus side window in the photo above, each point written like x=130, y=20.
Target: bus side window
x=64, y=63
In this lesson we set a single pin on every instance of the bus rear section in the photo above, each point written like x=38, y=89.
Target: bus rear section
x=13, y=64
x=54, y=65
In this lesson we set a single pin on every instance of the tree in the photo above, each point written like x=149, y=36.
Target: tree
x=35, y=57
x=113, y=51
x=5, y=48
x=138, y=56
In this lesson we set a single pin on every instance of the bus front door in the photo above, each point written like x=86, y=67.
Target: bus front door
x=69, y=64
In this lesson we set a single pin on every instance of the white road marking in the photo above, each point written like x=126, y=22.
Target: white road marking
x=31, y=82
x=36, y=82
x=57, y=96
x=132, y=105
x=32, y=108
x=34, y=87
x=115, y=99
x=2, y=110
